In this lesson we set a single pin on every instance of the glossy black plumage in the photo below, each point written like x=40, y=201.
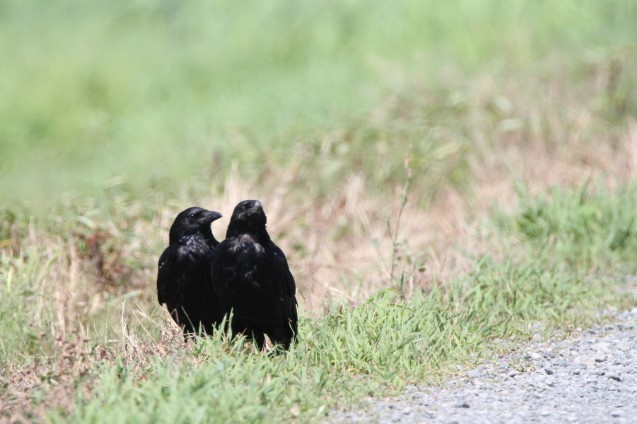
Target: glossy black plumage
x=184, y=282
x=253, y=280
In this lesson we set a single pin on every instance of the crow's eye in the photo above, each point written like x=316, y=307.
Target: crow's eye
x=192, y=215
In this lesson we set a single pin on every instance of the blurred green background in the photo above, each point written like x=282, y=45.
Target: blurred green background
x=170, y=92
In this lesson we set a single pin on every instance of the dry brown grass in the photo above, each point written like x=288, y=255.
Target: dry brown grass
x=539, y=132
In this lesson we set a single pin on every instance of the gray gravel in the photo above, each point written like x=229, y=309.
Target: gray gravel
x=591, y=378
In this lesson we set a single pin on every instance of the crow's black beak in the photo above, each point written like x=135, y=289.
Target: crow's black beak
x=211, y=216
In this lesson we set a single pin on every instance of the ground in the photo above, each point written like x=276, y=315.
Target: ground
x=589, y=377
x=444, y=194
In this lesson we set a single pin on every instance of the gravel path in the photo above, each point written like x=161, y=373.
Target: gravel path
x=588, y=379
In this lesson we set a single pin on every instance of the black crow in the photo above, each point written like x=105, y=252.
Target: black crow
x=253, y=281
x=184, y=282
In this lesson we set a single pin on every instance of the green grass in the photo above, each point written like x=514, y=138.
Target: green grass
x=153, y=90
x=580, y=228
x=386, y=341
x=546, y=277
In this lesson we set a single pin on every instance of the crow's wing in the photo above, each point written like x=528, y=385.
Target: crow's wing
x=184, y=284
x=255, y=282
x=279, y=265
x=166, y=275
x=282, y=281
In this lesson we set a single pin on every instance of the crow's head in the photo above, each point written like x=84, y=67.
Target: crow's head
x=192, y=221
x=248, y=216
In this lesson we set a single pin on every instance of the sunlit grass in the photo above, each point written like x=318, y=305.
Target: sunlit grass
x=126, y=362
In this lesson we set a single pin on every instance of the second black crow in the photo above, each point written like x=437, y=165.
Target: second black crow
x=253, y=281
